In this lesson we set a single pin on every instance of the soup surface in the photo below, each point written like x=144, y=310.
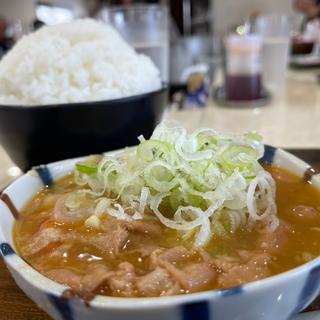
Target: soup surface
x=144, y=258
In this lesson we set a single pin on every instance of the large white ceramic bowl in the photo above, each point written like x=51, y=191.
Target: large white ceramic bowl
x=275, y=298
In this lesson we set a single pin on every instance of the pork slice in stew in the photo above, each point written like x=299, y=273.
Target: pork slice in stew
x=272, y=242
x=110, y=243
x=83, y=285
x=151, y=228
x=144, y=250
x=157, y=282
x=249, y=266
x=123, y=281
x=194, y=276
x=176, y=255
x=42, y=239
x=305, y=214
x=60, y=251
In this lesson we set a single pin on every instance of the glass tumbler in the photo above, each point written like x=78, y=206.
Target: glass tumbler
x=145, y=27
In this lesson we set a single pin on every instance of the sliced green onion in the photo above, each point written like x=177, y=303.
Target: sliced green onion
x=87, y=168
x=238, y=157
x=253, y=136
x=152, y=149
x=201, y=184
x=206, y=142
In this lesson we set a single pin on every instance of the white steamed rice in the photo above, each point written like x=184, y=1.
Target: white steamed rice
x=80, y=61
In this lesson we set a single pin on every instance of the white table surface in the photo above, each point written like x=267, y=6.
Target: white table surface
x=291, y=120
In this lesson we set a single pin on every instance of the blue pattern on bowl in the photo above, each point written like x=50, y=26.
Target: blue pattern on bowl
x=63, y=306
x=269, y=153
x=45, y=175
x=197, y=310
x=6, y=249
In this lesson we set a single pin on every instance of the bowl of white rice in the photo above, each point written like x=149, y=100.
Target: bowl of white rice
x=75, y=89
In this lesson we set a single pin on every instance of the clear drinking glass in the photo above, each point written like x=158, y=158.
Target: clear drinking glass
x=145, y=27
x=275, y=30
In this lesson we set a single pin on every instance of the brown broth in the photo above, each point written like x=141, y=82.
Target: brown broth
x=303, y=238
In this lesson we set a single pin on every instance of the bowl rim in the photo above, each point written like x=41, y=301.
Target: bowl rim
x=117, y=303
x=94, y=103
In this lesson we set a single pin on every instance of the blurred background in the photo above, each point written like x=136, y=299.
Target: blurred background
x=197, y=28
x=191, y=17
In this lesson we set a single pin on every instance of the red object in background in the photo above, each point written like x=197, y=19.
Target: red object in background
x=243, y=87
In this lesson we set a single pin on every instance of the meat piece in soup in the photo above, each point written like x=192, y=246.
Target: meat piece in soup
x=143, y=257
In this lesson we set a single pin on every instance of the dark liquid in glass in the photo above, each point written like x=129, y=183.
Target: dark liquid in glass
x=243, y=87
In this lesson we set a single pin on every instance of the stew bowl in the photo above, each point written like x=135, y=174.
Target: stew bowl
x=277, y=297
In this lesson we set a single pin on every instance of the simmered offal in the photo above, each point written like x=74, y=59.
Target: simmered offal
x=178, y=214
